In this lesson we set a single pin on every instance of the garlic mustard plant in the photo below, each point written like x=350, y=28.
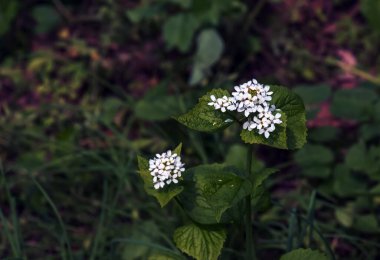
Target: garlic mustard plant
x=215, y=195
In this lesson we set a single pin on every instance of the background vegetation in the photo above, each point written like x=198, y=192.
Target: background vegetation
x=87, y=85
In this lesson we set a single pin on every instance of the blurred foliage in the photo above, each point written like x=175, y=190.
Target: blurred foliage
x=87, y=85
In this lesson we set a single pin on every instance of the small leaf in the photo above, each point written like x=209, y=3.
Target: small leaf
x=345, y=216
x=210, y=191
x=47, y=18
x=205, y=118
x=200, y=242
x=304, y=254
x=209, y=51
x=367, y=223
x=178, y=31
x=163, y=195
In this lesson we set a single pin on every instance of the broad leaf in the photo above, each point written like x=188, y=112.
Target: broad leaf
x=157, y=109
x=304, y=254
x=200, y=242
x=47, y=18
x=293, y=111
x=346, y=184
x=261, y=199
x=179, y=30
x=313, y=94
x=312, y=155
x=277, y=138
x=292, y=105
x=204, y=117
x=354, y=104
x=237, y=157
x=324, y=134
x=8, y=12
x=165, y=194
x=209, y=51
x=210, y=191
x=371, y=11
x=258, y=177
x=367, y=223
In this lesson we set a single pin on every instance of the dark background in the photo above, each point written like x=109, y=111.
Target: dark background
x=87, y=85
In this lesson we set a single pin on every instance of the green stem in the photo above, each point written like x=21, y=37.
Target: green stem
x=250, y=254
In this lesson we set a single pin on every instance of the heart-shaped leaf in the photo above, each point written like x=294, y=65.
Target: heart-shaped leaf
x=200, y=242
x=210, y=190
x=204, y=117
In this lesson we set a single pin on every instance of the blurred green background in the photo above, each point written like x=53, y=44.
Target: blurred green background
x=87, y=85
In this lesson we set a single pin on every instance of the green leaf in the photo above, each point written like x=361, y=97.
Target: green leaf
x=158, y=108
x=292, y=105
x=209, y=50
x=165, y=256
x=144, y=12
x=261, y=199
x=260, y=176
x=237, y=157
x=371, y=11
x=313, y=94
x=276, y=139
x=295, y=133
x=8, y=11
x=370, y=131
x=357, y=158
x=200, y=242
x=178, y=31
x=204, y=117
x=165, y=195
x=367, y=224
x=47, y=18
x=321, y=172
x=324, y=134
x=354, y=104
x=304, y=254
x=314, y=155
x=345, y=216
x=346, y=184
x=210, y=190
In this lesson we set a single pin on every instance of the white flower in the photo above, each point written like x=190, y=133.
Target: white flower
x=265, y=121
x=225, y=103
x=165, y=168
x=251, y=96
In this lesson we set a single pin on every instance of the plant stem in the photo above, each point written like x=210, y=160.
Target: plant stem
x=250, y=254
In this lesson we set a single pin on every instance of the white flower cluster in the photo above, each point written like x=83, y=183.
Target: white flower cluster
x=165, y=169
x=252, y=99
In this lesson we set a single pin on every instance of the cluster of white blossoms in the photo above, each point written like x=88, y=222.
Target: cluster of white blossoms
x=253, y=100
x=165, y=169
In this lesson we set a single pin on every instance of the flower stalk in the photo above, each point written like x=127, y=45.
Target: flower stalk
x=250, y=247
